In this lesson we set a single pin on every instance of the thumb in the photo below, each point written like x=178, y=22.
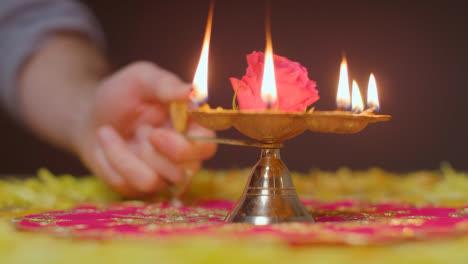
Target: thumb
x=159, y=84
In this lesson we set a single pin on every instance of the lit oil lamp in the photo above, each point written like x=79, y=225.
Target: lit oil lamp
x=270, y=195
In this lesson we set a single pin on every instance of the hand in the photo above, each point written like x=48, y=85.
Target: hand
x=126, y=137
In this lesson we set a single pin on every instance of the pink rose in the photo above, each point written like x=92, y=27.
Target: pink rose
x=295, y=90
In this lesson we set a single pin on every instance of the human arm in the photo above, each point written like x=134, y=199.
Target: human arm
x=116, y=123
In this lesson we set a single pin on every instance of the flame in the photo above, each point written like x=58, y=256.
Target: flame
x=372, y=95
x=269, y=93
x=343, y=100
x=268, y=82
x=200, y=81
x=357, y=104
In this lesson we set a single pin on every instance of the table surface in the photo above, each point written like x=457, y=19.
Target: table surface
x=444, y=187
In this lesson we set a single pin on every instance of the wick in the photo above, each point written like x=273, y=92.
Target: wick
x=343, y=105
x=369, y=111
x=268, y=105
x=194, y=103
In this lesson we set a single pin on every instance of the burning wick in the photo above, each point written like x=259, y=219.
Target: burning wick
x=369, y=111
x=200, y=81
x=343, y=101
x=269, y=104
x=197, y=101
x=356, y=99
x=268, y=88
x=372, y=95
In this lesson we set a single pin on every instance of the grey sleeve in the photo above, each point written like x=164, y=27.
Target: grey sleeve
x=25, y=25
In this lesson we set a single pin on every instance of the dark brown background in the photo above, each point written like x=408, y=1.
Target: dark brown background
x=418, y=51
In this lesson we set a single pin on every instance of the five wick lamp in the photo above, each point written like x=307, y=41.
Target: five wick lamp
x=269, y=195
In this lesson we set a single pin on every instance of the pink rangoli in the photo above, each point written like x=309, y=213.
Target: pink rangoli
x=344, y=222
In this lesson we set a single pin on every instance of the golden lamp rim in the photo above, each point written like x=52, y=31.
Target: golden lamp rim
x=266, y=113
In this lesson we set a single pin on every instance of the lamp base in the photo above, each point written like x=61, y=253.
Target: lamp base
x=269, y=196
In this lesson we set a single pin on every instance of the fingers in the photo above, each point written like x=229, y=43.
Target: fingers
x=125, y=163
x=144, y=169
x=179, y=149
x=159, y=163
x=157, y=83
x=105, y=171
